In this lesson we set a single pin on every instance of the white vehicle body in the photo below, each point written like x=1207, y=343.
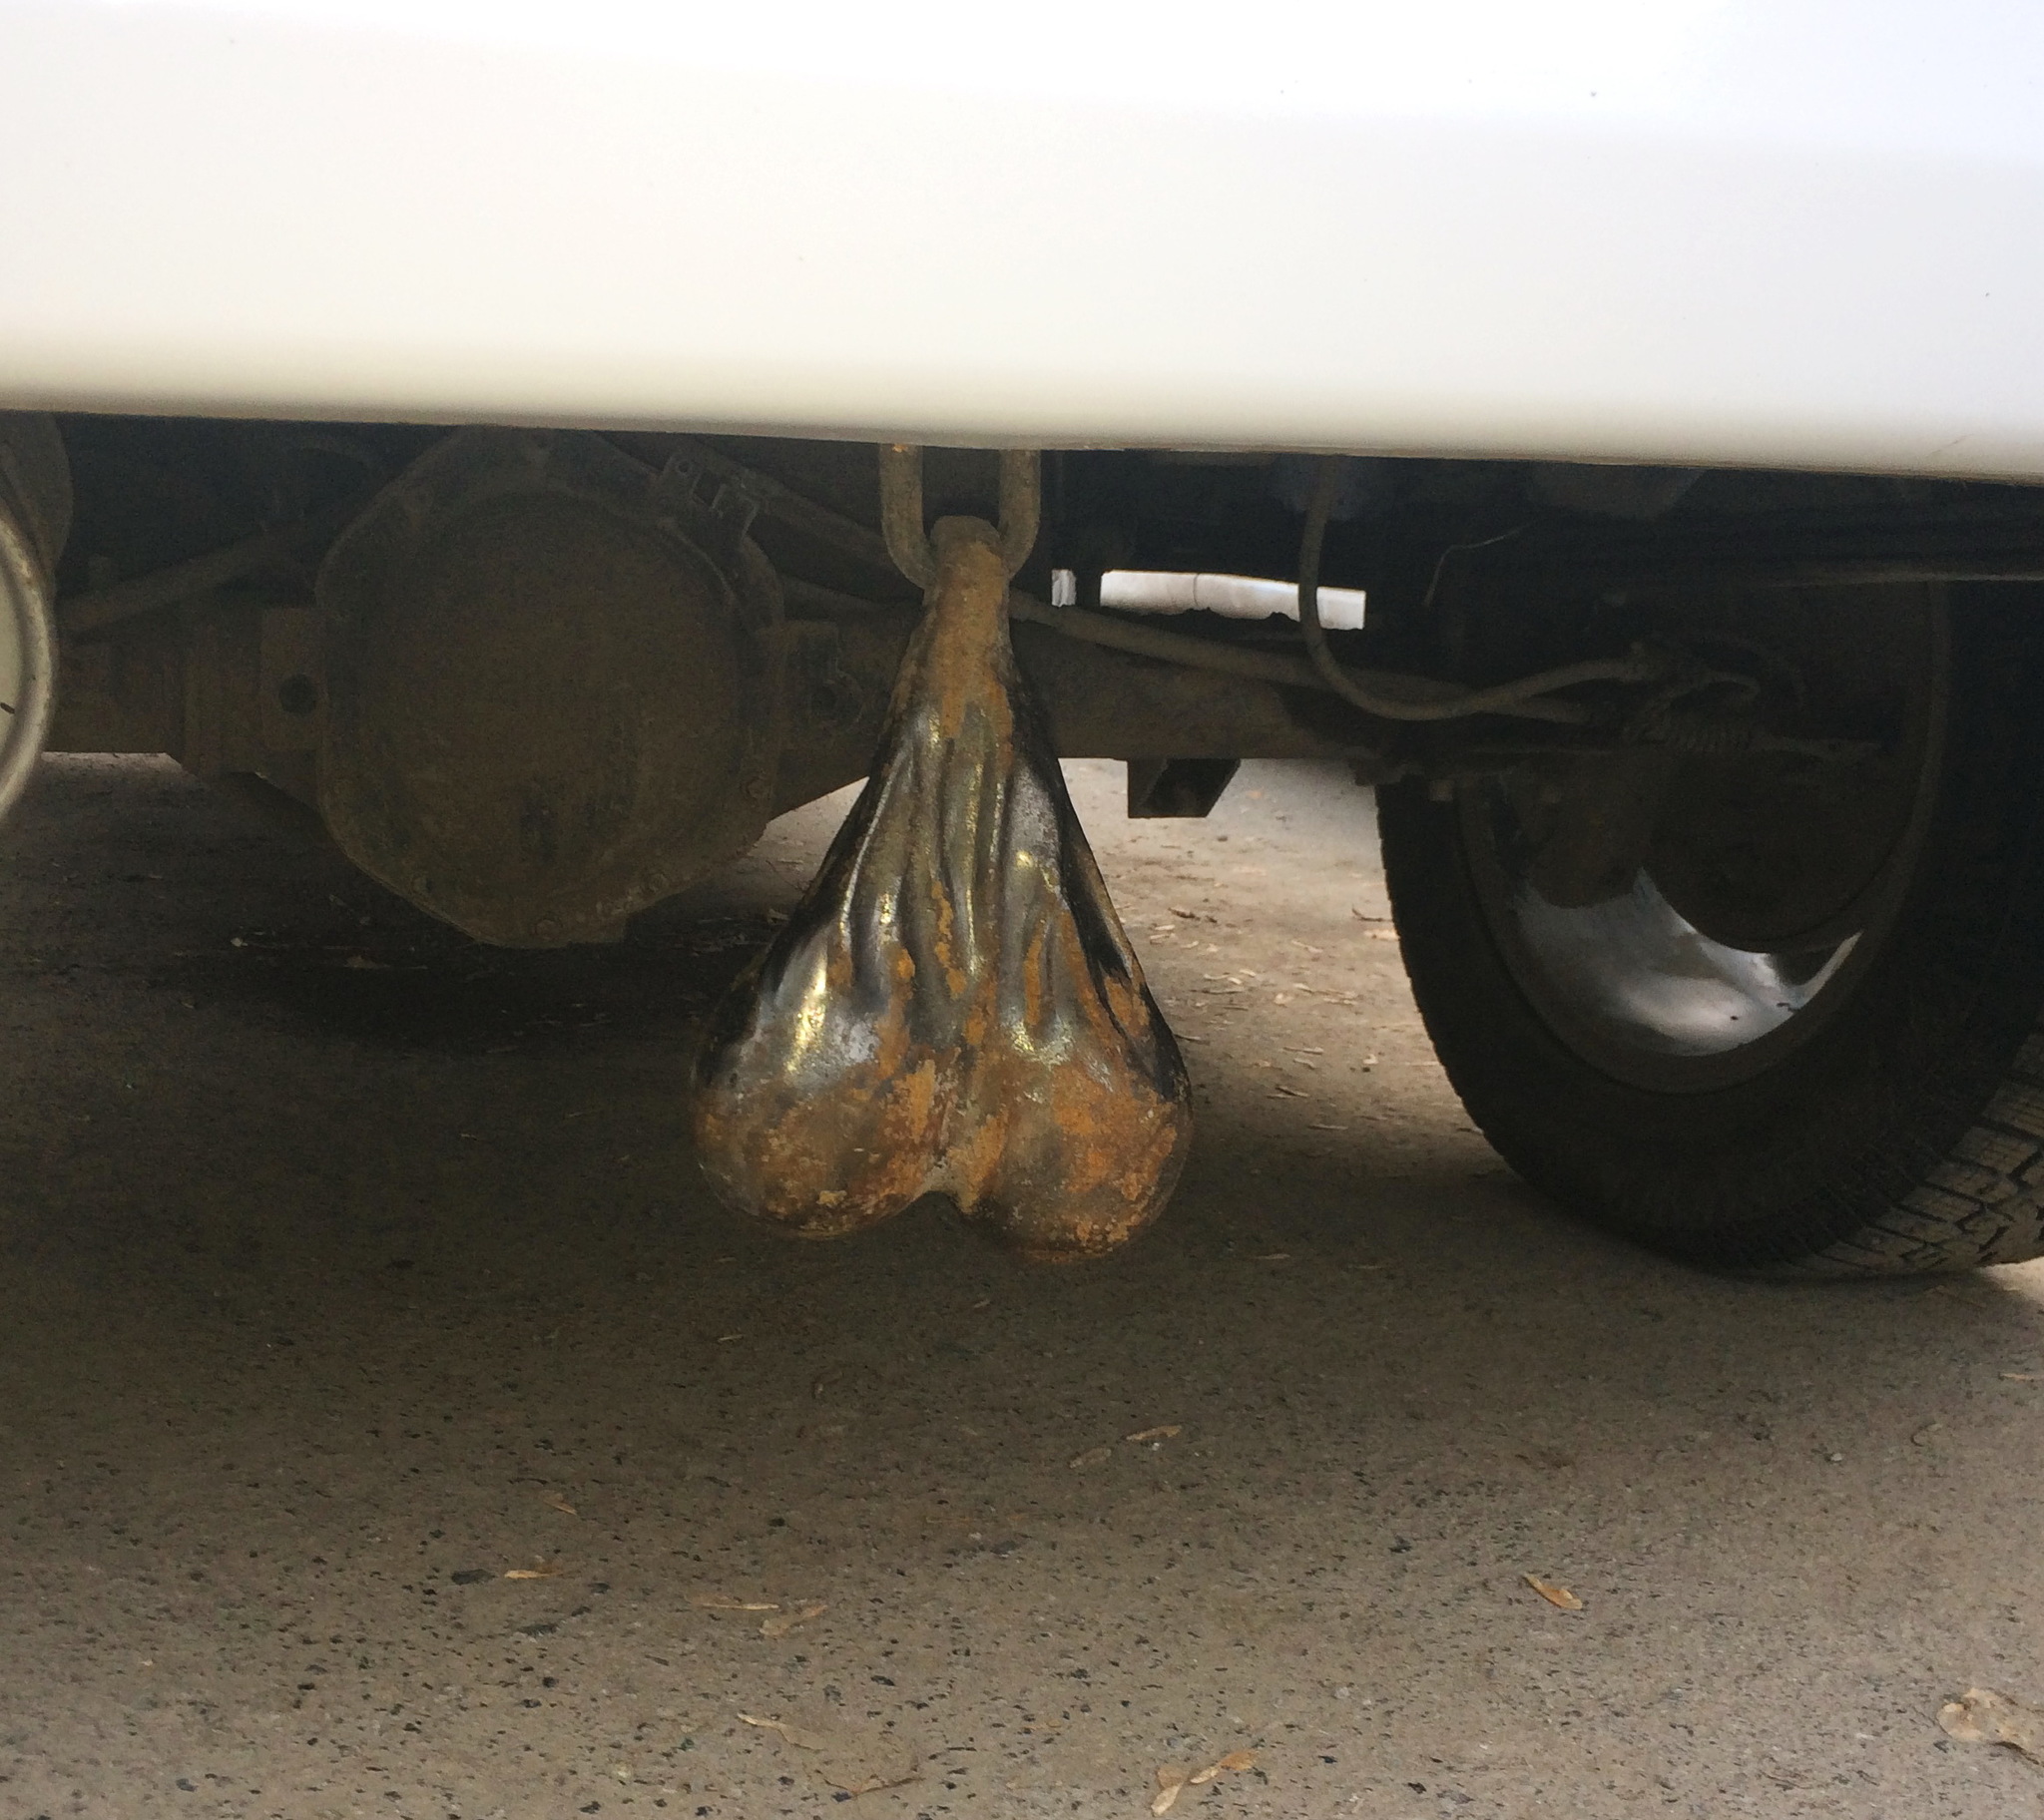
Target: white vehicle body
x=1778, y=232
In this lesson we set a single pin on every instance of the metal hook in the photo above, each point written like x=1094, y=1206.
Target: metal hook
x=902, y=522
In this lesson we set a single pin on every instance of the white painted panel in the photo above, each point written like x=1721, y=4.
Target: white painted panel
x=1744, y=231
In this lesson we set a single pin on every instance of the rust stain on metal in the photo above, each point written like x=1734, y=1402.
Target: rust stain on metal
x=954, y=1008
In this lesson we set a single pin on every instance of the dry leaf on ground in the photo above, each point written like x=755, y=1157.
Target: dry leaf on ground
x=1172, y=1781
x=786, y=1622
x=2024, y=1377
x=1982, y=1717
x=723, y=1602
x=1559, y=1597
x=1093, y=1456
x=547, y=1570
x=1236, y=1759
x=1164, y=1431
x=554, y=1502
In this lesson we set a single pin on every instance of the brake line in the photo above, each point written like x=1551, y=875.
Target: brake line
x=1503, y=699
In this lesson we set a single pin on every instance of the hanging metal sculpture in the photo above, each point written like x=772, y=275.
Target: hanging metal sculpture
x=954, y=1008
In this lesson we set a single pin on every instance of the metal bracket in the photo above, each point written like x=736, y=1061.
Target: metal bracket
x=1181, y=789
x=715, y=512
x=1021, y=509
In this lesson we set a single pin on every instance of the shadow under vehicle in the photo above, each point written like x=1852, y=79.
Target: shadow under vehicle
x=457, y=430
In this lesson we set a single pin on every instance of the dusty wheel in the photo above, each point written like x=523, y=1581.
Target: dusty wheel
x=35, y=509
x=1844, y=1077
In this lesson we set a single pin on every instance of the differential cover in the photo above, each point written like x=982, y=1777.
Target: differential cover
x=551, y=685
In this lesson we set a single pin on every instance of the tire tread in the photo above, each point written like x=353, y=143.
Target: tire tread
x=1907, y=1140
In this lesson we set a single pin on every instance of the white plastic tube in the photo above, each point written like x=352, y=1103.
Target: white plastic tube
x=1233, y=597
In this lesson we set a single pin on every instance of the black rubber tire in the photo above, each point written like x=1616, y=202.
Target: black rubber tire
x=1905, y=1136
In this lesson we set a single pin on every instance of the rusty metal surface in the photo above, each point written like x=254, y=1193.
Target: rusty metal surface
x=901, y=509
x=552, y=683
x=954, y=1008
x=186, y=582
x=1095, y=703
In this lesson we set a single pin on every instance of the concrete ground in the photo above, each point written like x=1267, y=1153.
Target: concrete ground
x=354, y=1271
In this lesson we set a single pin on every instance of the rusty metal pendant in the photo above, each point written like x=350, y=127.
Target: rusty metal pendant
x=954, y=1006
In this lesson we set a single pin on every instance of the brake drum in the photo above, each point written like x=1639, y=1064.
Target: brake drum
x=1771, y=853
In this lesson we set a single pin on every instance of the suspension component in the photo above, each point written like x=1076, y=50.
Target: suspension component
x=552, y=683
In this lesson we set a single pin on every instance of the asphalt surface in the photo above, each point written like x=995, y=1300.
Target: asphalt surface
x=354, y=1270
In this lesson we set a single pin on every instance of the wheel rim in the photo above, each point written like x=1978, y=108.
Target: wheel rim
x=27, y=662
x=1633, y=988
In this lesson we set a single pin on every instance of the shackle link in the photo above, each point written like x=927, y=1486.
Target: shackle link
x=902, y=522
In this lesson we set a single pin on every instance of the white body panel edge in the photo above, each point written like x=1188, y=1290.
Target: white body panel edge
x=1779, y=233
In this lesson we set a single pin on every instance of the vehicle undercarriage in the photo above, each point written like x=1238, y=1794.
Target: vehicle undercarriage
x=1708, y=795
